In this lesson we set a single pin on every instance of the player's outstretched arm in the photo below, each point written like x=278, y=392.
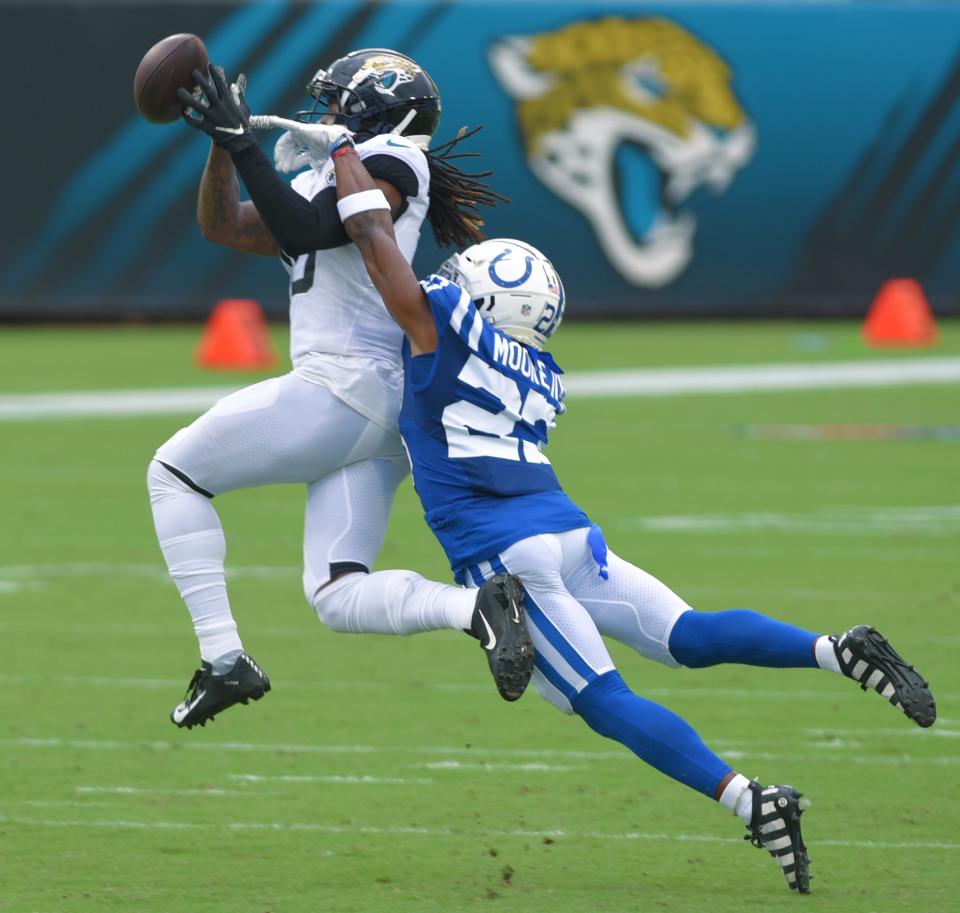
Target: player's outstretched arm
x=367, y=220
x=223, y=217
x=296, y=224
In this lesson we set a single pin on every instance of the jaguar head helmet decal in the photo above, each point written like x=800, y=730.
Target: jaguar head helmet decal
x=389, y=71
x=624, y=119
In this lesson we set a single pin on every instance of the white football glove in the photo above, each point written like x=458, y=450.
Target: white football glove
x=302, y=144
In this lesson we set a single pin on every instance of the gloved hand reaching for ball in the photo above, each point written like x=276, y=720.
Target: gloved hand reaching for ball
x=219, y=110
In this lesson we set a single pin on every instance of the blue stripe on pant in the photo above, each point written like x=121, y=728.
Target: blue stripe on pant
x=558, y=673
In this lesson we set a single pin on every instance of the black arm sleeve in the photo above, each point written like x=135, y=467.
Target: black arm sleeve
x=301, y=225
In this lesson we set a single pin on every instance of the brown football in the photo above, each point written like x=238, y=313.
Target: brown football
x=166, y=67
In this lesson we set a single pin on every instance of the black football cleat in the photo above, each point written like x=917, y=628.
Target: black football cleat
x=775, y=827
x=500, y=624
x=209, y=694
x=865, y=656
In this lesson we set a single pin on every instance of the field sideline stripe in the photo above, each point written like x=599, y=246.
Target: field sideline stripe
x=749, y=378
x=638, y=382
x=335, y=830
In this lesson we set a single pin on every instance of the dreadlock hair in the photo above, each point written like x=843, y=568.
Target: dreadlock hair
x=456, y=195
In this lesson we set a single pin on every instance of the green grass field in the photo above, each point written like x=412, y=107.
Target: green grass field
x=384, y=774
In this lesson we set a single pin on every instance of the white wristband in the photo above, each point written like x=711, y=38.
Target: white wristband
x=363, y=201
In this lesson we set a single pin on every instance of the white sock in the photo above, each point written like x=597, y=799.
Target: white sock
x=393, y=602
x=826, y=655
x=194, y=547
x=738, y=797
x=195, y=562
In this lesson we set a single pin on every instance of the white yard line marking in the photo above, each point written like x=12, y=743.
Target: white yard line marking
x=17, y=576
x=941, y=519
x=360, y=779
x=141, y=791
x=538, y=757
x=164, y=401
x=472, y=765
x=730, y=750
x=853, y=758
x=642, y=382
x=759, y=693
x=244, y=747
x=880, y=549
x=93, y=681
x=152, y=630
x=58, y=803
x=813, y=594
x=934, y=732
x=156, y=570
x=747, y=694
x=390, y=831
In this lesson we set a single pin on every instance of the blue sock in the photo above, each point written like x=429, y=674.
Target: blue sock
x=653, y=733
x=701, y=639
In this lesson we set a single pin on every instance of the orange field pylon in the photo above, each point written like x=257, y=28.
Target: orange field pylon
x=236, y=337
x=900, y=316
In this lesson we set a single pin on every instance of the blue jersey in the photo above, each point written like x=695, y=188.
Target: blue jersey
x=475, y=419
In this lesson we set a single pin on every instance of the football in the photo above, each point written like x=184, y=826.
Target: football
x=166, y=67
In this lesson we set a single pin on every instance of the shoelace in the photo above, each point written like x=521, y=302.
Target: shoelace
x=754, y=835
x=194, y=682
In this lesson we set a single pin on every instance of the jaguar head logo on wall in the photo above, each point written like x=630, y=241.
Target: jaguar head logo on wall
x=623, y=119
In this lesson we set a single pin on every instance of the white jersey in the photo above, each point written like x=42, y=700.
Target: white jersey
x=341, y=335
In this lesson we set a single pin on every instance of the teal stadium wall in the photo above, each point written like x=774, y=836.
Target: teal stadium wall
x=673, y=159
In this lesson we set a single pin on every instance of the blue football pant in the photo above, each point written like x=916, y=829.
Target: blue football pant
x=569, y=606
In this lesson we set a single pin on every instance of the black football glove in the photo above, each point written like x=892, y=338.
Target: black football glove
x=218, y=112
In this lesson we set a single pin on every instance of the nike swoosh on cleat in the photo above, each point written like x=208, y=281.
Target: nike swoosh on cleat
x=183, y=709
x=235, y=130
x=493, y=638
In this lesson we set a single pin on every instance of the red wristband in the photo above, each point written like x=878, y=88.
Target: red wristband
x=343, y=150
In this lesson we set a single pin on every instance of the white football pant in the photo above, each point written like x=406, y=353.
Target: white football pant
x=288, y=430
x=569, y=606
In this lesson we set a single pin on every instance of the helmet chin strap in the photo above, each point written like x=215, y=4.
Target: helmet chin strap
x=410, y=115
x=422, y=140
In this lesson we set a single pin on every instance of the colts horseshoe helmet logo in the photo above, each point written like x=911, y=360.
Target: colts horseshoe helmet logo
x=509, y=283
x=623, y=119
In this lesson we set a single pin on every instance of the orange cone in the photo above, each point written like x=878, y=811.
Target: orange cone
x=900, y=316
x=236, y=337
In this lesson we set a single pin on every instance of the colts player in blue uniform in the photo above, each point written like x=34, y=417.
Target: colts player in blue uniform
x=480, y=398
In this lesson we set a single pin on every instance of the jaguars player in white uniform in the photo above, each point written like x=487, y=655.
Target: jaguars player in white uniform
x=481, y=396
x=331, y=423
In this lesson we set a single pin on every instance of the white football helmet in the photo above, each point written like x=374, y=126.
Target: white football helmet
x=513, y=285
